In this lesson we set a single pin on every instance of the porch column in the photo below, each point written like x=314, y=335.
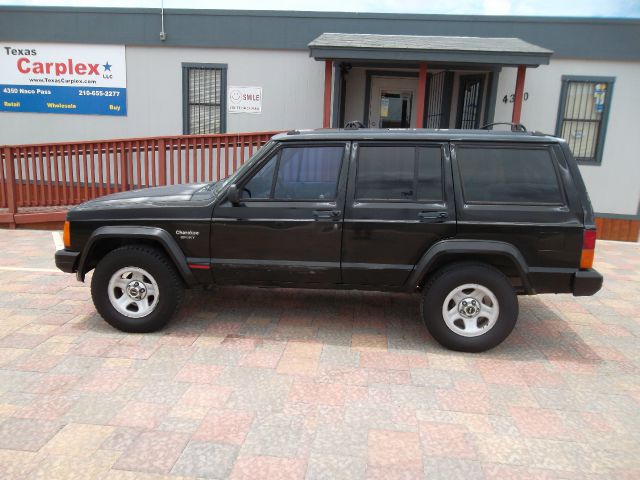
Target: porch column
x=517, y=104
x=328, y=72
x=422, y=91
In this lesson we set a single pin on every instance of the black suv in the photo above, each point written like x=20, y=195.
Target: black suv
x=466, y=219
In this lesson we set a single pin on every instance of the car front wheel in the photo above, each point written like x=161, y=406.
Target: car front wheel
x=469, y=307
x=136, y=289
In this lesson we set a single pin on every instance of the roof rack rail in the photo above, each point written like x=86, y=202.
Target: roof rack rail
x=354, y=125
x=293, y=132
x=515, y=127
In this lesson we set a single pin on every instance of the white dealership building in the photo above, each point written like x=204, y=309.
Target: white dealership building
x=71, y=74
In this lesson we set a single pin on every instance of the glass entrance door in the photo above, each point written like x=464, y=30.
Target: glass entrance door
x=395, y=109
x=392, y=102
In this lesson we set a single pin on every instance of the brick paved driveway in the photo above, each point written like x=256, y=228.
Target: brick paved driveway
x=251, y=383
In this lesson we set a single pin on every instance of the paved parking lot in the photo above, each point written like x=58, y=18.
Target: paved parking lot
x=277, y=384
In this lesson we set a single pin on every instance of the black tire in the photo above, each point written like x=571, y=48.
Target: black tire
x=450, y=277
x=156, y=263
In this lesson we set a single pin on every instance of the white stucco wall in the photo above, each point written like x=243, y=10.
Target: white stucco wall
x=292, y=88
x=614, y=186
x=354, y=99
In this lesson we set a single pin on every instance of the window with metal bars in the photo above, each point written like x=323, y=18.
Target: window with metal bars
x=439, y=91
x=470, y=101
x=204, y=88
x=583, y=114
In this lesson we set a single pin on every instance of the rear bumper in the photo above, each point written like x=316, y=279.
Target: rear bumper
x=66, y=260
x=565, y=280
x=586, y=282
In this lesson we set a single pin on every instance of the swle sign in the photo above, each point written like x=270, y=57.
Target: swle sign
x=244, y=99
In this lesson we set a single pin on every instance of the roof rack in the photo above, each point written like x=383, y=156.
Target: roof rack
x=515, y=127
x=354, y=125
x=293, y=132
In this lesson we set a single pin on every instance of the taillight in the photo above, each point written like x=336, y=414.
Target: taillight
x=588, y=249
x=66, y=235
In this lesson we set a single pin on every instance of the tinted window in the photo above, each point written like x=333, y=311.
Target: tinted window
x=399, y=173
x=304, y=173
x=386, y=173
x=260, y=185
x=429, y=173
x=308, y=173
x=508, y=175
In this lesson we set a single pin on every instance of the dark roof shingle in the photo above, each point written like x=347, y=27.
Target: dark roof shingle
x=426, y=43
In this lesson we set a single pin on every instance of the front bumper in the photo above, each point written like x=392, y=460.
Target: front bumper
x=66, y=260
x=586, y=282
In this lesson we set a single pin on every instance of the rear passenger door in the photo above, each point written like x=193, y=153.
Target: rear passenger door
x=399, y=203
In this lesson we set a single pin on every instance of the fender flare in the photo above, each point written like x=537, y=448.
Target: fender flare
x=453, y=247
x=158, y=235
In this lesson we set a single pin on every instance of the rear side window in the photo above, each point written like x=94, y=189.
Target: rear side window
x=397, y=173
x=508, y=175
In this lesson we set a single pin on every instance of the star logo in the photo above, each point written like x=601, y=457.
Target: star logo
x=107, y=67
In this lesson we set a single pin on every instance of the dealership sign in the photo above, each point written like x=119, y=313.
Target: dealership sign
x=63, y=78
x=244, y=99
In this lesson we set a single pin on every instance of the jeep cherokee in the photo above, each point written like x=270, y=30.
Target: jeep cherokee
x=466, y=219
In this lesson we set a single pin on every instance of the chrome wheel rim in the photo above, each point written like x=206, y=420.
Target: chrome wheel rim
x=133, y=292
x=470, y=310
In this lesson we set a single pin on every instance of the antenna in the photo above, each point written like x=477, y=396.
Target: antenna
x=163, y=34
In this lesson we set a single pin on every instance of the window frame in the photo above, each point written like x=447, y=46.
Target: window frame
x=604, y=120
x=415, y=146
x=512, y=146
x=186, y=66
x=278, y=153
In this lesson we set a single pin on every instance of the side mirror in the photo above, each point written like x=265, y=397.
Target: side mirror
x=233, y=194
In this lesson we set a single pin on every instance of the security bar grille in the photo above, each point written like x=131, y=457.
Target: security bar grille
x=470, y=101
x=435, y=101
x=204, y=98
x=584, y=107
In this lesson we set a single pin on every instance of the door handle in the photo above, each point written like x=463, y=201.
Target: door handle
x=433, y=216
x=327, y=214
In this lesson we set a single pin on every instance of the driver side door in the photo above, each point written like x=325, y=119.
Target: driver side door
x=287, y=228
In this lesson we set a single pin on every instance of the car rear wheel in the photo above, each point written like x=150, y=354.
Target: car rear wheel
x=136, y=289
x=469, y=307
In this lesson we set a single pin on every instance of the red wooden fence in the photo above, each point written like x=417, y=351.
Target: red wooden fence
x=62, y=174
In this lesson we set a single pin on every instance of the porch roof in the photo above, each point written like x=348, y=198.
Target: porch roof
x=393, y=48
